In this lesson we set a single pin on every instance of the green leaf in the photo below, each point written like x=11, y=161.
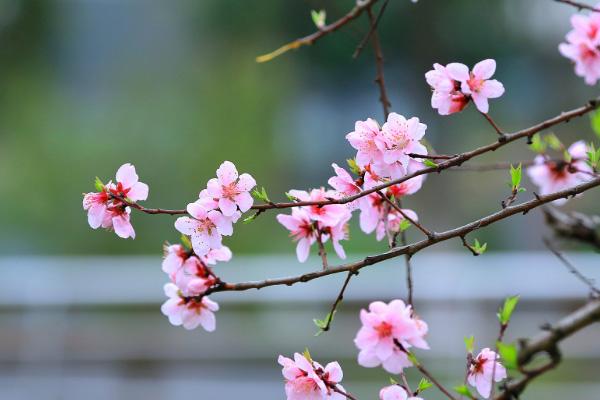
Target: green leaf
x=537, y=144
x=424, y=384
x=515, y=176
x=185, y=241
x=393, y=381
x=507, y=309
x=98, y=185
x=318, y=18
x=464, y=391
x=429, y=163
x=595, y=121
x=508, y=353
x=413, y=359
x=478, y=247
x=261, y=195
x=593, y=156
x=290, y=197
x=353, y=166
x=404, y=225
x=322, y=323
x=470, y=343
x=249, y=219
x=554, y=142
x=306, y=355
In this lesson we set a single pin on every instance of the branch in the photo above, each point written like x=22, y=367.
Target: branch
x=574, y=225
x=426, y=231
x=547, y=342
x=578, y=5
x=455, y=161
x=413, y=248
x=313, y=37
x=572, y=269
x=379, y=78
x=364, y=41
x=337, y=301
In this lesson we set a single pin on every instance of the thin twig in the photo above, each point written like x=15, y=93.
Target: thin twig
x=494, y=125
x=322, y=251
x=379, y=78
x=578, y=5
x=426, y=231
x=365, y=40
x=337, y=301
x=574, y=225
x=572, y=269
x=324, y=31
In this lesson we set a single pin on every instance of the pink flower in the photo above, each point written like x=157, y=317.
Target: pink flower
x=230, y=191
x=329, y=215
x=337, y=233
x=385, y=326
x=205, y=227
x=446, y=97
x=399, y=138
x=553, y=176
x=343, y=182
x=174, y=257
x=481, y=369
x=395, y=392
x=222, y=254
x=106, y=211
x=189, y=312
x=453, y=86
x=394, y=221
x=477, y=83
x=363, y=140
x=193, y=278
x=309, y=380
x=376, y=215
x=581, y=46
x=301, y=229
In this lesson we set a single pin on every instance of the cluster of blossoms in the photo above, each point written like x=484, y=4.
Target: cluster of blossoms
x=306, y=379
x=387, y=332
x=555, y=175
x=582, y=46
x=106, y=207
x=383, y=153
x=218, y=207
x=454, y=85
x=395, y=392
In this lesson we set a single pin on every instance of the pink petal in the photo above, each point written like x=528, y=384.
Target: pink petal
x=123, y=227
x=126, y=175
x=96, y=215
x=335, y=372
x=458, y=72
x=246, y=182
x=484, y=69
x=244, y=201
x=186, y=225
x=227, y=206
x=227, y=173
x=207, y=320
x=303, y=249
x=492, y=89
x=481, y=102
x=139, y=191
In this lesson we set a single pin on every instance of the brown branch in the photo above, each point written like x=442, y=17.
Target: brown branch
x=456, y=161
x=494, y=125
x=324, y=31
x=578, y=5
x=364, y=41
x=572, y=269
x=379, y=78
x=431, y=156
x=547, y=342
x=574, y=225
x=322, y=251
x=413, y=248
x=340, y=391
x=338, y=300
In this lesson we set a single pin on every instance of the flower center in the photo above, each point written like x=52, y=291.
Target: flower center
x=384, y=329
x=230, y=191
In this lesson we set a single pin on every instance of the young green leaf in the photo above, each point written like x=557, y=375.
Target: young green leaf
x=185, y=241
x=353, y=166
x=306, y=355
x=318, y=18
x=464, y=391
x=424, y=384
x=470, y=343
x=404, y=225
x=393, y=381
x=537, y=144
x=507, y=309
x=249, y=219
x=478, y=247
x=290, y=197
x=508, y=352
x=98, y=184
x=429, y=163
x=261, y=195
x=515, y=176
x=322, y=323
x=413, y=359
x=595, y=121
x=554, y=142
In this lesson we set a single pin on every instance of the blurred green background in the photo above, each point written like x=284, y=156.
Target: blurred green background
x=173, y=87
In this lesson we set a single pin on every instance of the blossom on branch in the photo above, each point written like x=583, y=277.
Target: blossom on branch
x=384, y=328
x=454, y=85
x=306, y=379
x=189, y=312
x=481, y=370
x=230, y=191
x=395, y=392
x=552, y=175
x=581, y=46
x=107, y=209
